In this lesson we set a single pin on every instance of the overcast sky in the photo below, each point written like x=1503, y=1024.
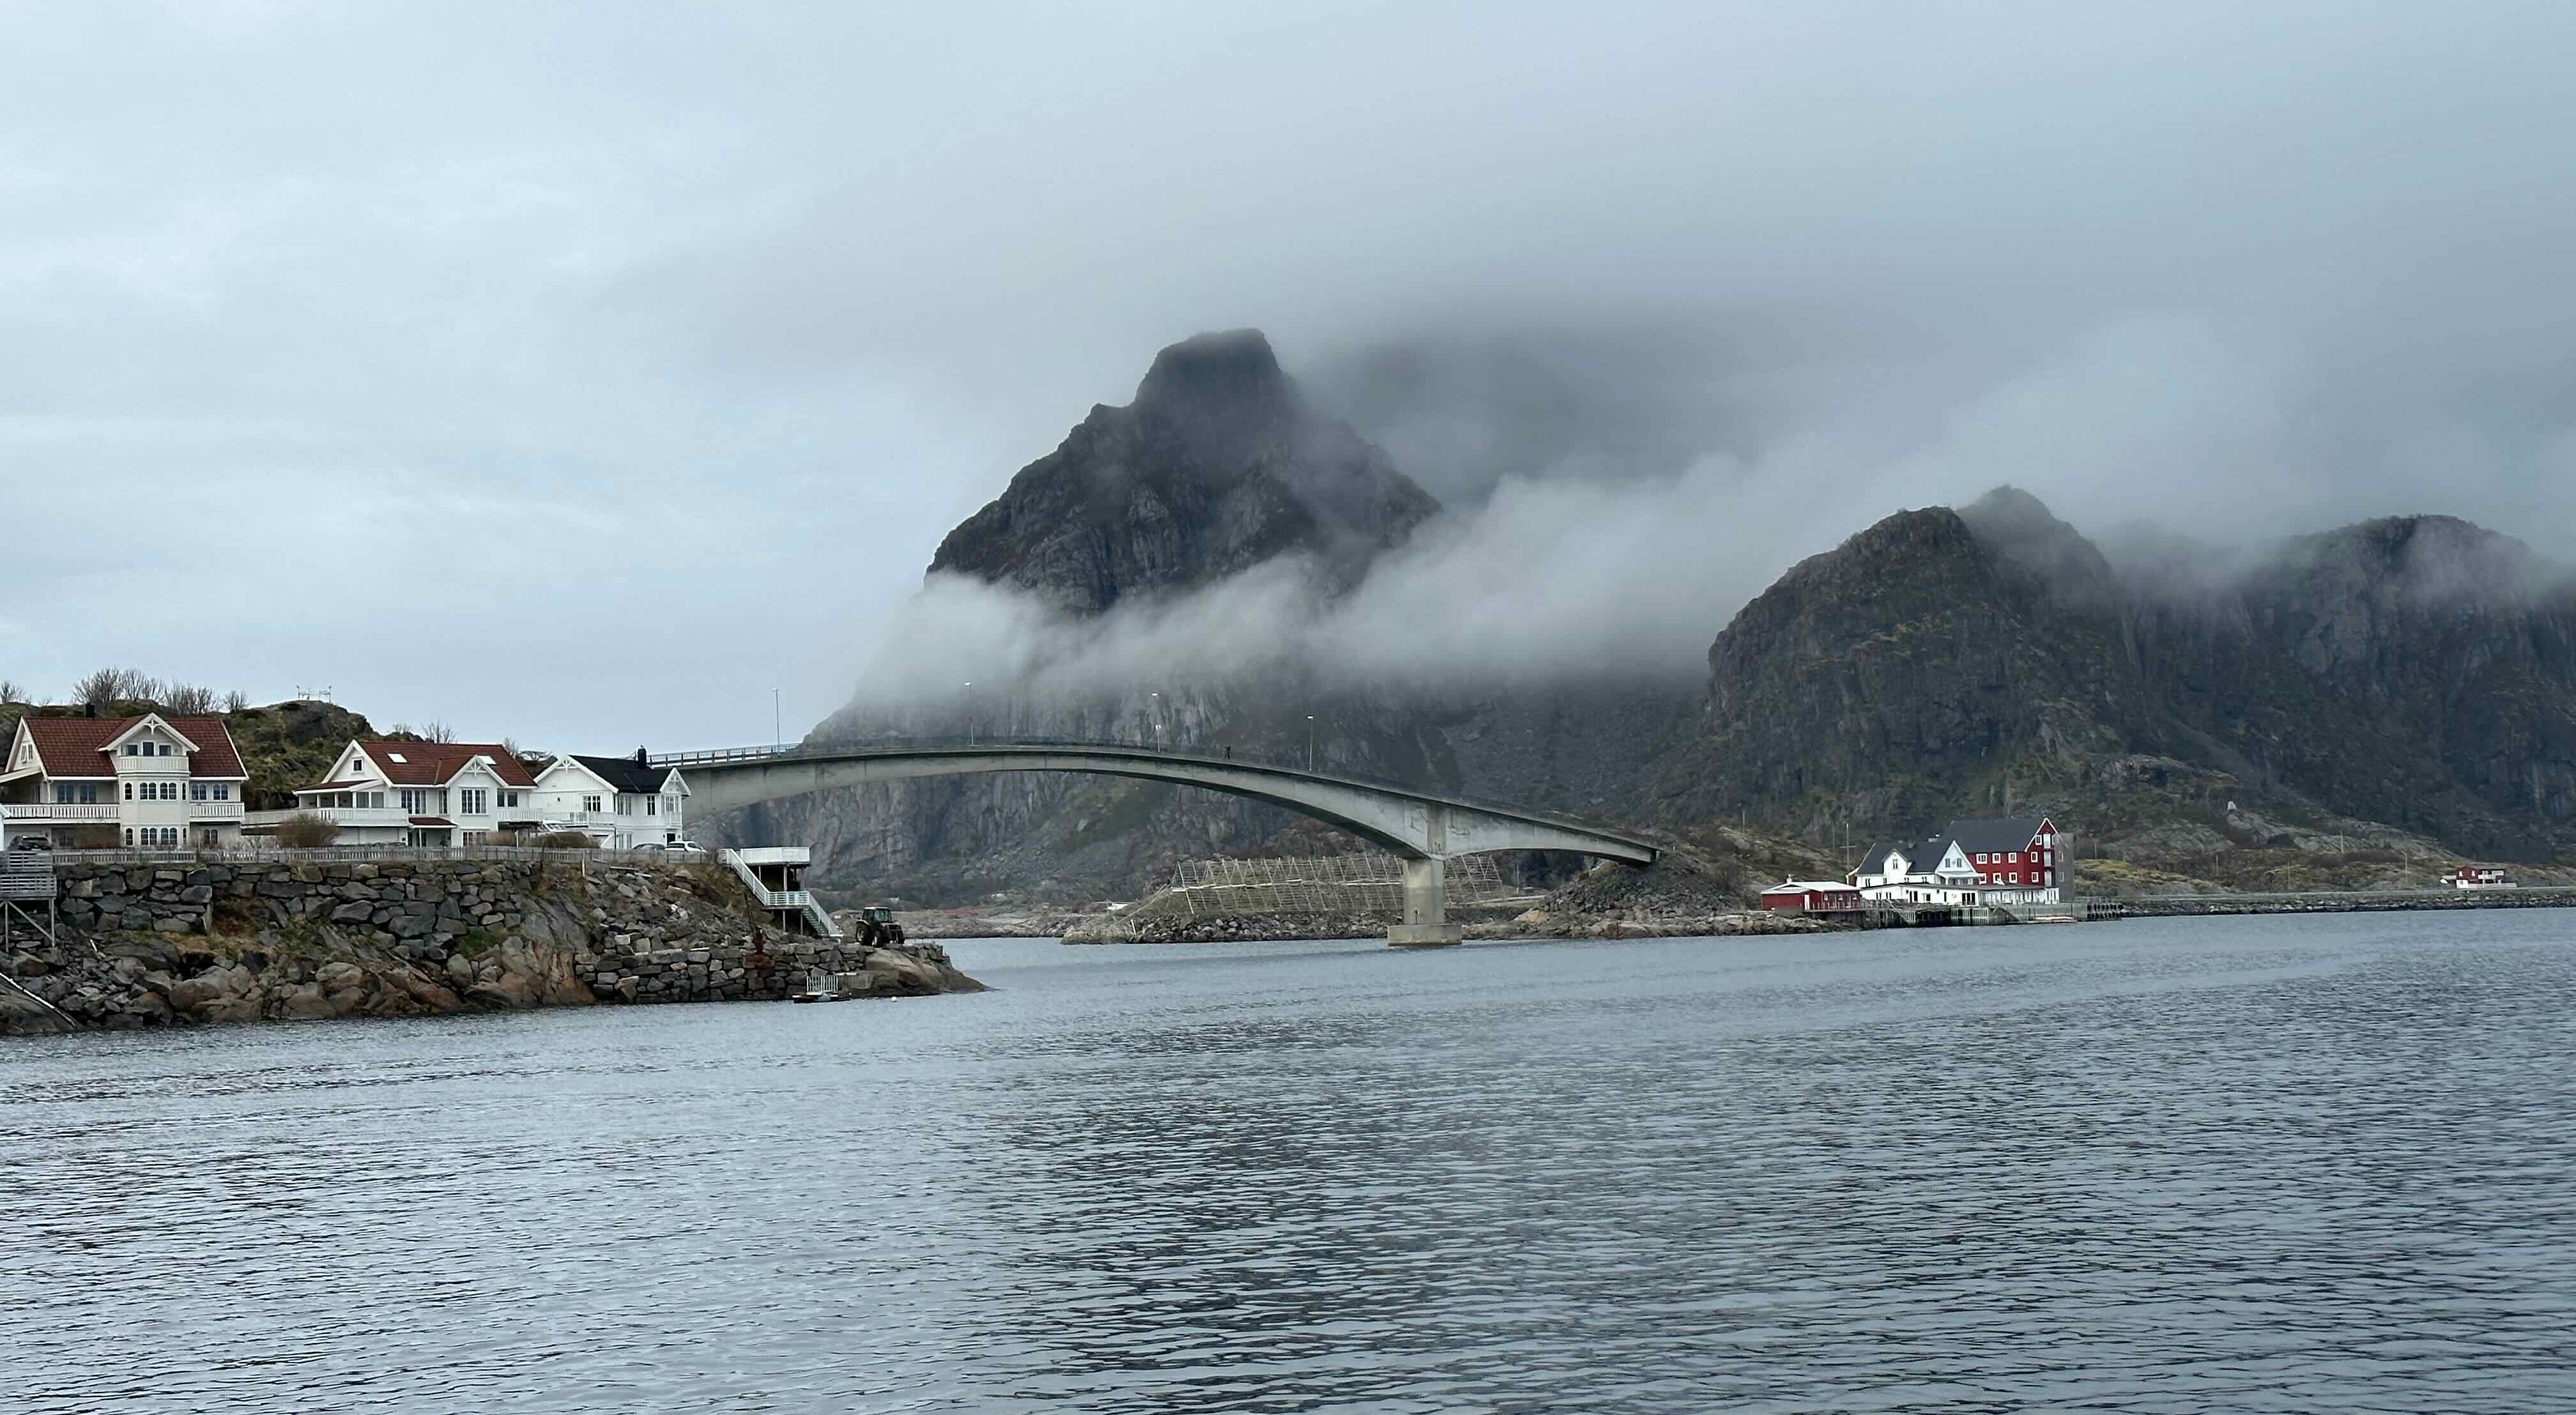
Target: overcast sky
x=581, y=373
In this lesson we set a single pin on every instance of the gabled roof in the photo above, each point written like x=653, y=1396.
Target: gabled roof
x=1995, y=836
x=76, y=747
x=1806, y=886
x=149, y=719
x=1875, y=862
x=624, y=774
x=437, y=763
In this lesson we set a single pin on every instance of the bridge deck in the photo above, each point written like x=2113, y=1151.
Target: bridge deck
x=1039, y=746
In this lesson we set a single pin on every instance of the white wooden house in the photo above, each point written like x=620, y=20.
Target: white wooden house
x=160, y=782
x=418, y=793
x=622, y=802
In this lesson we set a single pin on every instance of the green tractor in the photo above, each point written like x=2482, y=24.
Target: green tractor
x=877, y=927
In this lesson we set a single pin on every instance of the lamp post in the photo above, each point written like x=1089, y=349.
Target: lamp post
x=970, y=712
x=777, y=724
x=1154, y=716
x=1310, y=741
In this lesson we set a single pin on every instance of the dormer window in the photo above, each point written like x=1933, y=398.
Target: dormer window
x=165, y=749
x=132, y=750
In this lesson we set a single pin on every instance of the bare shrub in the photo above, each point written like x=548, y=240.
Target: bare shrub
x=109, y=686
x=10, y=692
x=93, y=837
x=236, y=700
x=437, y=731
x=187, y=699
x=306, y=831
x=567, y=840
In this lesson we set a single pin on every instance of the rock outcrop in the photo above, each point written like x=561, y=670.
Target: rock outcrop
x=181, y=944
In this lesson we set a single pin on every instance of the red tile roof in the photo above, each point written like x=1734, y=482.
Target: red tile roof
x=77, y=746
x=436, y=763
x=432, y=820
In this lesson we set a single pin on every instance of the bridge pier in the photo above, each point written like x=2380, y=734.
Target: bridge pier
x=1426, y=889
x=1426, y=908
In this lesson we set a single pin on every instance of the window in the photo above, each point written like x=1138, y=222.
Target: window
x=509, y=800
x=472, y=801
x=223, y=792
x=129, y=830
x=625, y=805
x=129, y=790
x=474, y=837
x=209, y=838
x=590, y=804
x=132, y=750
x=165, y=751
x=197, y=791
x=650, y=802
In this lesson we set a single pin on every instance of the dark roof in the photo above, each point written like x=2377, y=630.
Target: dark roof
x=626, y=775
x=1873, y=862
x=77, y=746
x=1994, y=836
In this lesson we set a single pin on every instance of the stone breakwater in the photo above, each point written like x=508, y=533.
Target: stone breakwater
x=183, y=943
x=1533, y=924
x=2334, y=902
x=1223, y=928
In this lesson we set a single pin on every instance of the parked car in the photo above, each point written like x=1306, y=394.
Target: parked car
x=675, y=849
x=32, y=842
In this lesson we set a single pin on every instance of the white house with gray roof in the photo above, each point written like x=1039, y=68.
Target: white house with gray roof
x=622, y=802
x=2018, y=860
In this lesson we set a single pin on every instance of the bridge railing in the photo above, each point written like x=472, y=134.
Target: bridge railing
x=901, y=746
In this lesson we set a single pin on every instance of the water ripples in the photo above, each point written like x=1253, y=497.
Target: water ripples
x=2282, y=1164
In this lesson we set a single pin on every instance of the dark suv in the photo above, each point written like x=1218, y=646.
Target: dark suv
x=32, y=842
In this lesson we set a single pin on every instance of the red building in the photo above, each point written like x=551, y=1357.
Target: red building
x=1813, y=896
x=2011, y=854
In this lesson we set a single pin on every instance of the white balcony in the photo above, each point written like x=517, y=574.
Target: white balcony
x=214, y=810
x=50, y=812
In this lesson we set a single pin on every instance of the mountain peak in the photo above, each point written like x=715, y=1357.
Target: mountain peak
x=1216, y=467
x=1231, y=367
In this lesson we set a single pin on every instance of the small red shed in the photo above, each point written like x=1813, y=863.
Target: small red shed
x=1813, y=896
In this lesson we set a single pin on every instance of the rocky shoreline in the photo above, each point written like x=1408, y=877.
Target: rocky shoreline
x=188, y=943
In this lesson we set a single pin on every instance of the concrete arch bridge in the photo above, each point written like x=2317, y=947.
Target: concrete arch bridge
x=1424, y=828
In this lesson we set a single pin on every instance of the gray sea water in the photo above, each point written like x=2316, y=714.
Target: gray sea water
x=2303, y=1164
